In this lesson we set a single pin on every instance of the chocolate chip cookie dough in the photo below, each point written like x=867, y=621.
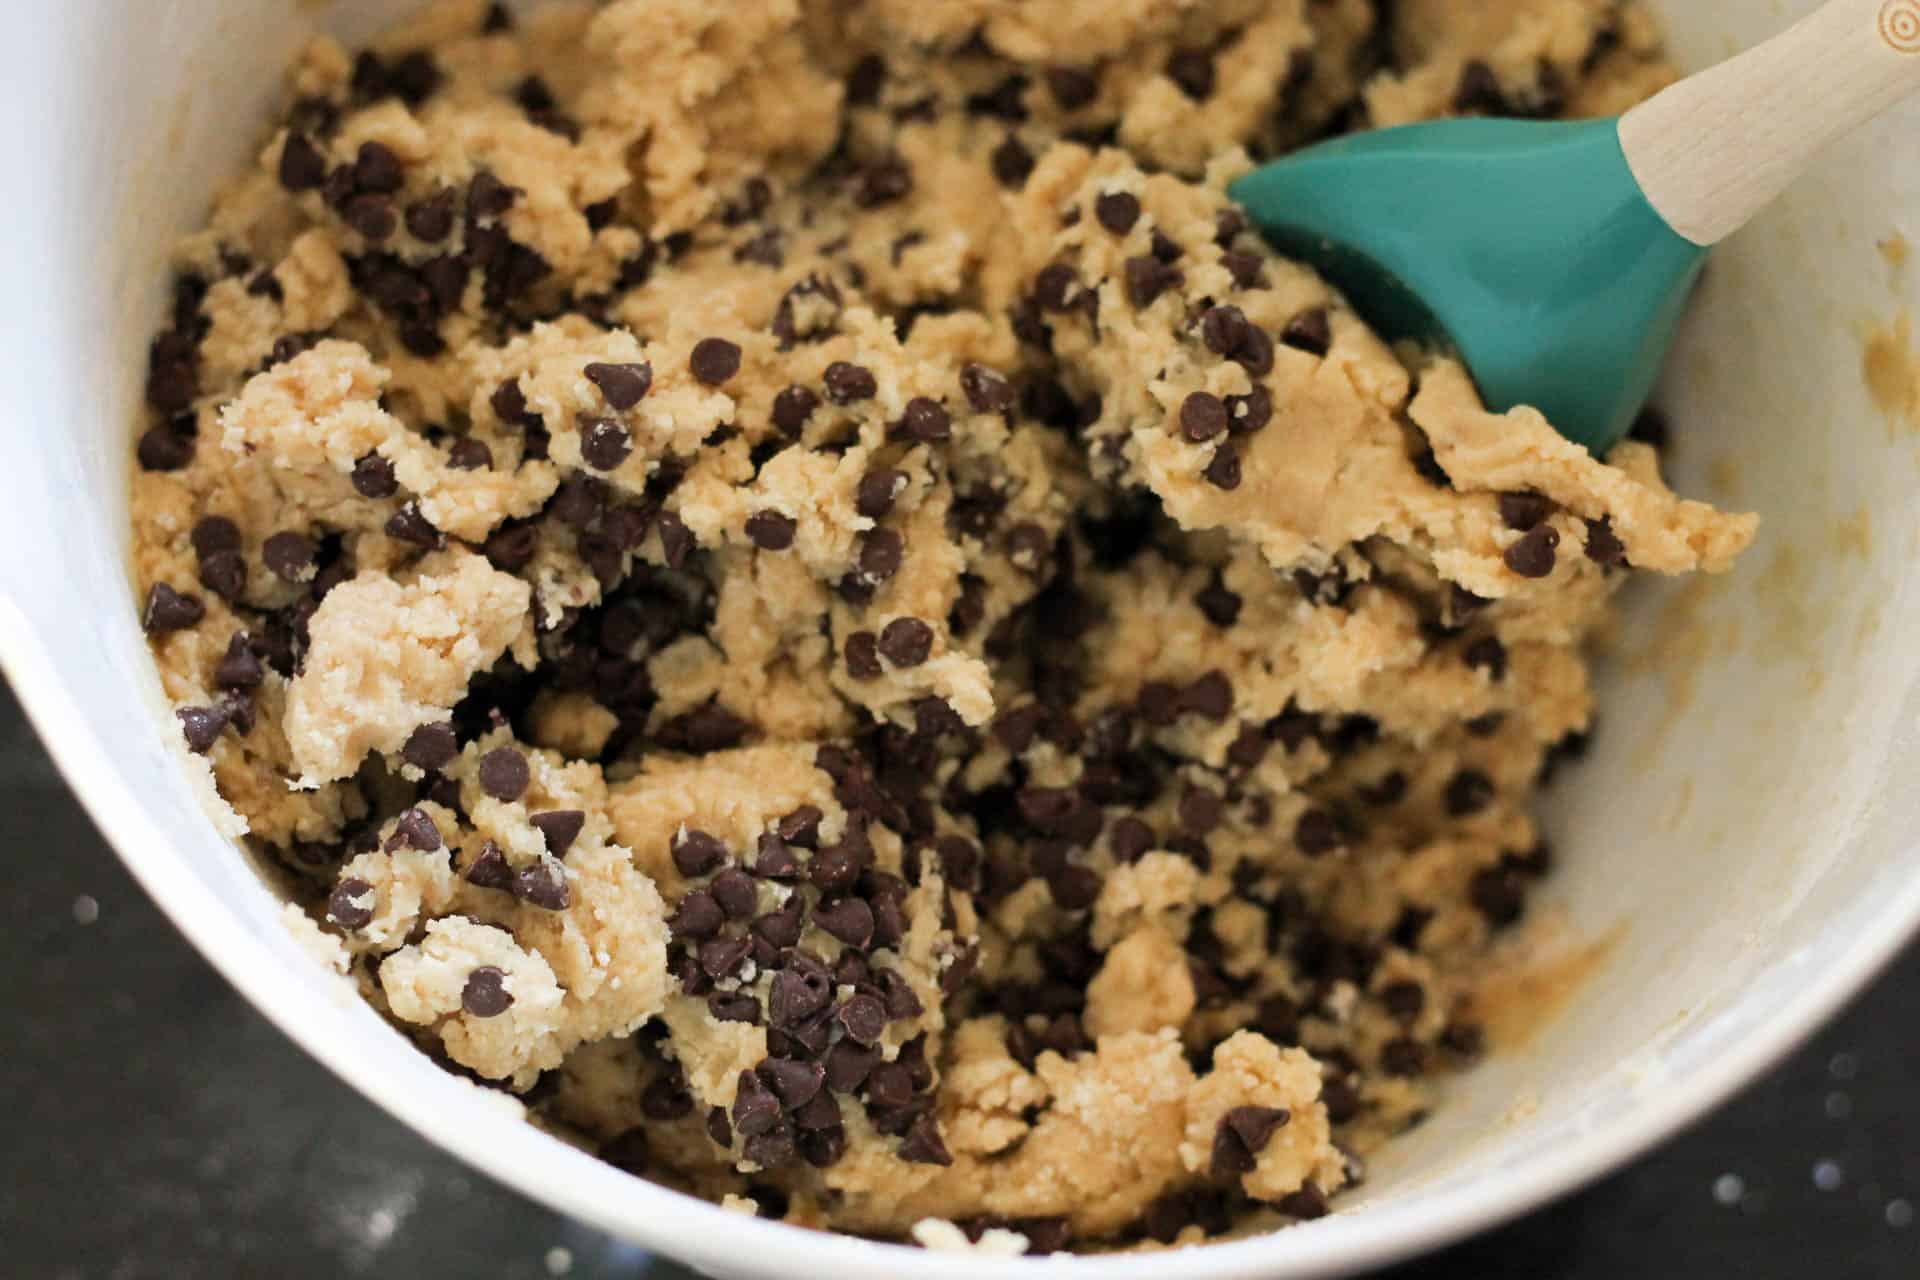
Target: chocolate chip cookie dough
x=797, y=590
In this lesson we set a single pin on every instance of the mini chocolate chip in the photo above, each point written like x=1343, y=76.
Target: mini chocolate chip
x=1210, y=696
x=1533, y=555
x=350, y=903
x=1117, y=211
x=241, y=668
x=431, y=747
x=1404, y=999
x=163, y=448
x=289, y=555
x=1489, y=655
x=792, y=407
x=1478, y=89
x=848, y=383
x=1487, y=725
x=302, y=166
x=408, y=525
x=906, y=642
x=924, y=421
x=1522, y=511
x=1221, y=606
x=849, y=1065
x=1240, y=1137
x=770, y=530
x=201, y=726
x=1223, y=329
x=1011, y=162
x=733, y=890
x=782, y=928
x=864, y=1020
x=676, y=540
x=504, y=774
x=214, y=533
x=1130, y=839
x=801, y=827
x=1603, y=545
x=1306, y=1203
x=623, y=385
x=696, y=853
x=469, y=454
x=485, y=995
x=718, y=1128
x=1192, y=70
x=862, y=653
x=1202, y=416
x=799, y=990
x=490, y=869
x=1071, y=87
x=755, y=1108
x=848, y=919
x=1200, y=810
x=722, y=957
x=877, y=492
x=1074, y=887
x=1464, y=1040
x=225, y=574
x=169, y=610
x=561, y=827
x=1255, y=352
x=986, y=390
x=1028, y=547
x=488, y=197
x=1316, y=833
x=373, y=477
x=413, y=829
x=1310, y=331
x=1223, y=471
x=1403, y=1057
x=431, y=220
x=1147, y=278
x=698, y=916
x=714, y=360
x=793, y=1082
x=880, y=554
x=885, y=180
x=923, y=1144
x=1249, y=413
x=376, y=168
x=1469, y=792
x=372, y=216
x=605, y=443
x=1053, y=288
x=1245, y=268
x=738, y=1007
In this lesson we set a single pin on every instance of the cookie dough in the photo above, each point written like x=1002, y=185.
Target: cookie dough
x=789, y=584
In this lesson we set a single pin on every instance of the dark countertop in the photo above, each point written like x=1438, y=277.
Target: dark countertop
x=156, y=1126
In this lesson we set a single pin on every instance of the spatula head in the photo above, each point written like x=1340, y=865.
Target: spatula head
x=1525, y=246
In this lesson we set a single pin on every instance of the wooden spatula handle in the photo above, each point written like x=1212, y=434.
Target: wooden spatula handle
x=1716, y=148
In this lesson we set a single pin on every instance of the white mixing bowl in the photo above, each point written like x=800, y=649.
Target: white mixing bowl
x=1747, y=822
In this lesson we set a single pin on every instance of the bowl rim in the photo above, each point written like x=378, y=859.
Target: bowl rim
x=680, y=1225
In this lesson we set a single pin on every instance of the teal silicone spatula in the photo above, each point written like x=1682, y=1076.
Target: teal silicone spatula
x=1556, y=257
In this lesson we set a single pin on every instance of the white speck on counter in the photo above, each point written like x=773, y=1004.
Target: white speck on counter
x=1728, y=1188
x=1828, y=1175
x=559, y=1261
x=381, y=1224
x=1843, y=1066
x=1838, y=1105
x=85, y=909
x=1899, y=1214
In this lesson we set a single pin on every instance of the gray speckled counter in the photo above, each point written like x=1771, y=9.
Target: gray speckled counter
x=154, y=1125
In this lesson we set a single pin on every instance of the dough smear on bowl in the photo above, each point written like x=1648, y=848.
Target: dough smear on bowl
x=797, y=590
